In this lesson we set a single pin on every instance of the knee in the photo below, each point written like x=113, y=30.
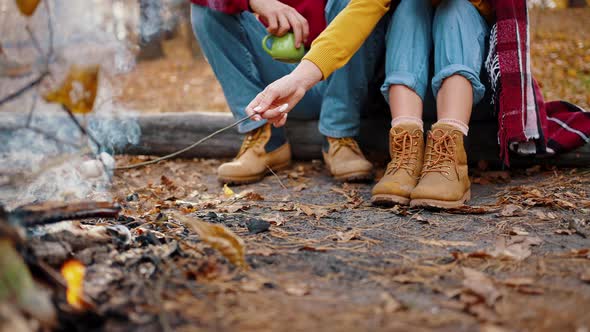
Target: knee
x=413, y=9
x=204, y=19
x=453, y=13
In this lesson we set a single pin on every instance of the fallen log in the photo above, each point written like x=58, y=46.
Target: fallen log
x=164, y=133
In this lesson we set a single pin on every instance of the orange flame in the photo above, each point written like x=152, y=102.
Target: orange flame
x=73, y=272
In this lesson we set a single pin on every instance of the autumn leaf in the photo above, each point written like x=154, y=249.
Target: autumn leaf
x=220, y=238
x=27, y=7
x=78, y=90
x=227, y=192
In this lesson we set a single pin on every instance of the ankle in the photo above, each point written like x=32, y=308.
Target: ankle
x=407, y=120
x=460, y=125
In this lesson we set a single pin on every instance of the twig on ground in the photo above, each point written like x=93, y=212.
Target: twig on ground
x=181, y=151
x=276, y=176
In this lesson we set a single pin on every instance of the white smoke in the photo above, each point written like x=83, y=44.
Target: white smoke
x=33, y=166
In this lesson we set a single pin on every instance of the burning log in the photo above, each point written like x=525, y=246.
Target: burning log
x=51, y=212
x=17, y=285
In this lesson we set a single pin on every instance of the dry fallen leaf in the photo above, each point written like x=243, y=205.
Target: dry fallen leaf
x=317, y=212
x=297, y=289
x=479, y=284
x=78, y=90
x=27, y=7
x=517, y=230
x=519, y=281
x=227, y=192
x=219, y=237
x=389, y=304
x=510, y=210
x=354, y=234
x=585, y=276
x=275, y=219
x=251, y=196
x=517, y=247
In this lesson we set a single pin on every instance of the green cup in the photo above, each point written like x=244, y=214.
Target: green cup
x=283, y=48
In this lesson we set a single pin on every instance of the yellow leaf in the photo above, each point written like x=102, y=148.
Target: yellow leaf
x=572, y=72
x=78, y=90
x=27, y=7
x=220, y=238
x=227, y=191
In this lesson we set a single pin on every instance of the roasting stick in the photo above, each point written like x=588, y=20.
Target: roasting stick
x=282, y=109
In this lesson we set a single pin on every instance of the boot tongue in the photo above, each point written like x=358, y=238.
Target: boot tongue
x=446, y=128
x=409, y=127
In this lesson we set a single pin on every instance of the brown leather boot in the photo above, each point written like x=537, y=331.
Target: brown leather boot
x=406, y=147
x=253, y=162
x=444, y=182
x=346, y=161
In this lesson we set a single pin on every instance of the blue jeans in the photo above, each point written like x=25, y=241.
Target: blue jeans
x=458, y=33
x=231, y=44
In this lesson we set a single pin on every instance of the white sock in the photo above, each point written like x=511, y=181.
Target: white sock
x=462, y=126
x=408, y=119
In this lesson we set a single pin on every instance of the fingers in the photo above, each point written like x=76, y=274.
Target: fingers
x=261, y=103
x=297, y=28
x=273, y=24
x=305, y=27
x=278, y=121
x=277, y=112
x=284, y=25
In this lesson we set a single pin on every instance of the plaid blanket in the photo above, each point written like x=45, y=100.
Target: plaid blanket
x=526, y=123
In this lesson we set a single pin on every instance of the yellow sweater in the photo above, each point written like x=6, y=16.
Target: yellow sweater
x=346, y=33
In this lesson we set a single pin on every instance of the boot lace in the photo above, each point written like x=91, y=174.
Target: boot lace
x=251, y=140
x=440, y=154
x=404, y=152
x=346, y=142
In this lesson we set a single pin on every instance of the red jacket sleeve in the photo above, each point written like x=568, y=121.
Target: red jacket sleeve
x=224, y=6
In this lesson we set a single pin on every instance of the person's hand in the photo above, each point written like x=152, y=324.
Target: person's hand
x=281, y=19
x=281, y=96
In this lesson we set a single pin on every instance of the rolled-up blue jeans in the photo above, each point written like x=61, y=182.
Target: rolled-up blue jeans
x=454, y=28
x=232, y=45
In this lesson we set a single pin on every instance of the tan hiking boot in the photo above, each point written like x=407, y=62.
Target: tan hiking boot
x=444, y=182
x=253, y=162
x=406, y=147
x=346, y=161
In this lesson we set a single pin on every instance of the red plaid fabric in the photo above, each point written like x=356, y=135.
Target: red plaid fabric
x=526, y=123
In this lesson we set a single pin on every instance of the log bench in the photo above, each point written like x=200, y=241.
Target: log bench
x=163, y=133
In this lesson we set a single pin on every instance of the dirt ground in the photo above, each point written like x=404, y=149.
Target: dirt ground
x=517, y=259
x=560, y=51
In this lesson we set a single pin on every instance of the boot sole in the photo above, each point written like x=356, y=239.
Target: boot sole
x=239, y=180
x=354, y=177
x=438, y=204
x=389, y=200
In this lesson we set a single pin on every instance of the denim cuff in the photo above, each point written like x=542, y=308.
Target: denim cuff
x=469, y=74
x=409, y=80
x=339, y=133
x=250, y=125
